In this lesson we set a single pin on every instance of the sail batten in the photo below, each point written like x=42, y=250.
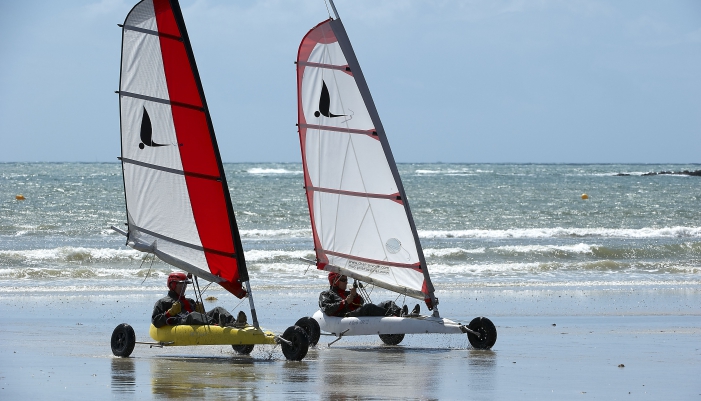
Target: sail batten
x=171, y=170
x=150, y=32
x=394, y=197
x=361, y=221
x=157, y=100
x=178, y=202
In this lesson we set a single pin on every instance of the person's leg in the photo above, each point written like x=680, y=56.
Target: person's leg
x=391, y=309
x=368, y=310
x=197, y=319
x=220, y=315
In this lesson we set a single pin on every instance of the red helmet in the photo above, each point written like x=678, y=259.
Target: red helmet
x=333, y=278
x=174, y=278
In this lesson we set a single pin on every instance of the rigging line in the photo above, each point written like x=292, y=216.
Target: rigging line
x=327, y=8
x=149, y=268
x=240, y=302
x=198, y=297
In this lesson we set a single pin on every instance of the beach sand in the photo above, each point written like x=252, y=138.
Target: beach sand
x=553, y=343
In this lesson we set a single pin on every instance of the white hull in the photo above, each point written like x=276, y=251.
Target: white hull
x=373, y=325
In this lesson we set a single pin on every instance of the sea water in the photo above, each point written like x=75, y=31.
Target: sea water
x=480, y=225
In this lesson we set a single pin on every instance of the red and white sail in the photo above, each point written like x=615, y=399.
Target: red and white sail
x=361, y=222
x=178, y=203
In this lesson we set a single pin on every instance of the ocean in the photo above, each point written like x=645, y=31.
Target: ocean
x=480, y=225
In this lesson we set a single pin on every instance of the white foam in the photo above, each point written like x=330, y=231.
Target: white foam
x=464, y=172
x=559, y=232
x=257, y=255
x=284, y=232
x=443, y=252
x=271, y=171
x=578, y=248
x=72, y=254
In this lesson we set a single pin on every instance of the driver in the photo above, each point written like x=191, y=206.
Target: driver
x=336, y=301
x=174, y=309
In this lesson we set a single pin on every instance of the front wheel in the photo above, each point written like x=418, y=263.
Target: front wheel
x=245, y=349
x=298, y=345
x=311, y=327
x=487, y=331
x=391, y=339
x=123, y=340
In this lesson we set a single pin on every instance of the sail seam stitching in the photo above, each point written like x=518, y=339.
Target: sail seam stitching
x=170, y=170
x=183, y=243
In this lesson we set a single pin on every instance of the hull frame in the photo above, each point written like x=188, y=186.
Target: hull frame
x=187, y=335
x=374, y=325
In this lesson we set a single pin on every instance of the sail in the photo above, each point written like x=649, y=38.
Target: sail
x=177, y=199
x=361, y=221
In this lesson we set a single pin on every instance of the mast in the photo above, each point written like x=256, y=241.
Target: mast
x=333, y=7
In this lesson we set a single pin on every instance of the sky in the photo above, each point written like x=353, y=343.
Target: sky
x=510, y=81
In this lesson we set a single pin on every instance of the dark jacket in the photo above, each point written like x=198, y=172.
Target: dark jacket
x=333, y=302
x=160, y=316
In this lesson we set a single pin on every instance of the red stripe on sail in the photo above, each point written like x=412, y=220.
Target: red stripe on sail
x=197, y=152
x=321, y=33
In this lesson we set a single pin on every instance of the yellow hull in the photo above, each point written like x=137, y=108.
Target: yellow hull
x=210, y=335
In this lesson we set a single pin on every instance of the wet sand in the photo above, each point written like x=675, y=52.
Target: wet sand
x=553, y=343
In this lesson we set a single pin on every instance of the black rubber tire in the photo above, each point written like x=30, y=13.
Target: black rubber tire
x=123, y=340
x=300, y=343
x=488, y=333
x=311, y=327
x=391, y=339
x=245, y=349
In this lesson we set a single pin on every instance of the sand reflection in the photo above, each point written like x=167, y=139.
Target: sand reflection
x=393, y=372
x=123, y=375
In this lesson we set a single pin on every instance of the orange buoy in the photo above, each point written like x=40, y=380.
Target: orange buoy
x=19, y=197
x=585, y=196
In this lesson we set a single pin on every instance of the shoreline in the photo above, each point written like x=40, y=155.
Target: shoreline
x=57, y=345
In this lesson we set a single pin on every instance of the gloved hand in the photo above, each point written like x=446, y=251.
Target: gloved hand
x=199, y=307
x=175, y=309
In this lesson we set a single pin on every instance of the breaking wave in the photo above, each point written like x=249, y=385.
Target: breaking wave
x=559, y=232
x=69, y=254
x=280, y=233
x=271, y=171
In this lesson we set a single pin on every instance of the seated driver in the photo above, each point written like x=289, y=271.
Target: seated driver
x=336, y=301
x=174, y=309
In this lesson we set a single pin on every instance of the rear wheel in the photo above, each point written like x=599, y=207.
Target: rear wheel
x=123, y=340
x=311, y=327
x=487, y=331
x=298, y=345
x=391, y=339
x=243, y=349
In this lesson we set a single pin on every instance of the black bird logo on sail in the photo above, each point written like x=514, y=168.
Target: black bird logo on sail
x=325, y=103
x=147, y=132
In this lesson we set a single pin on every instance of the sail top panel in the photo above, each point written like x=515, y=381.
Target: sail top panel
x=360, y=220
x=177, y=198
